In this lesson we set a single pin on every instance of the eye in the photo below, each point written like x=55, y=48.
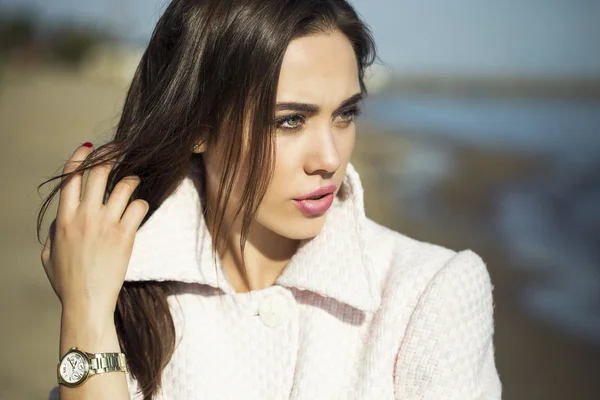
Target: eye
x=349, y=115
x=291, y=122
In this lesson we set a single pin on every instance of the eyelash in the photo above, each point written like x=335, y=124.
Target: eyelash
x=354, y=112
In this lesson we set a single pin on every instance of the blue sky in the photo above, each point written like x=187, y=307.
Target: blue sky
x=538, y=37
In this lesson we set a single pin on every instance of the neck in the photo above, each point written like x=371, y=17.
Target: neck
x=265, y=256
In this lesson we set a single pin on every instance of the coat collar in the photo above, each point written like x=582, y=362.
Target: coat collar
x=174, y=245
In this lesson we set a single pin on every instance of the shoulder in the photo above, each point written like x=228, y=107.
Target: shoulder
x=436, y=316
x=407, y=269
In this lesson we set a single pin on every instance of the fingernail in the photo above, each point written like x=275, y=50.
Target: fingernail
x=88, y=144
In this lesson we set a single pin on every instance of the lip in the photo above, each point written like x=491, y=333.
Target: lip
x=325, y=190
x=318, y=206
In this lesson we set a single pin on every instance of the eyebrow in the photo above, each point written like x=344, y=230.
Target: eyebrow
x=313, y=108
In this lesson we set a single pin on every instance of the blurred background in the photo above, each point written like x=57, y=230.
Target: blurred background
x=482, y=131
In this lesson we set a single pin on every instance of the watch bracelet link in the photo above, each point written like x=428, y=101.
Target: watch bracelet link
x=107, y=362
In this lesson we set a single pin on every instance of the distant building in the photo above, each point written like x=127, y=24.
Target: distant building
x=114, y=62
x=377, y=77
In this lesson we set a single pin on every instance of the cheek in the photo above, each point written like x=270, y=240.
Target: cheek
x=288, y=156
x=285, y=168
x=277, y=211
x=345, y=141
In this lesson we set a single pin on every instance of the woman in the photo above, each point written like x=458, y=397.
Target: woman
x=254, y=274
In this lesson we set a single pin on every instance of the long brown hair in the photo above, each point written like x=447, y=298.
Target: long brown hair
x=209, y=73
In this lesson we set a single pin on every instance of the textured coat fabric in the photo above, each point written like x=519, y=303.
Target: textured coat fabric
x=360, y=312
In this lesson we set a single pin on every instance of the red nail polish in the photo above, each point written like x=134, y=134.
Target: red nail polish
x=88, y=144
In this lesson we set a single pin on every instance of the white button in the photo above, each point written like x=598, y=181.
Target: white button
x=273, y=310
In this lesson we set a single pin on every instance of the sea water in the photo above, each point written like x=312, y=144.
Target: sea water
x=551, y=222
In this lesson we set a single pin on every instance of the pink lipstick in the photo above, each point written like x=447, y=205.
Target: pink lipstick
x=317, y=202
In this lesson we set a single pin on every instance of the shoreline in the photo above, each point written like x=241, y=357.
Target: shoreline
x=535, y=361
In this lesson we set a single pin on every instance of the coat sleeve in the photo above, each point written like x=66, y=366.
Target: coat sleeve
x=54, y=394
x=133, y=388
x=447, y=351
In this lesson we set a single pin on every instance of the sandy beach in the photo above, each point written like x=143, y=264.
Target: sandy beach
x=534, y=361
x=45, y=114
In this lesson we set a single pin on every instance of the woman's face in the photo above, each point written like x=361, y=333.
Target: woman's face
x=318, y=96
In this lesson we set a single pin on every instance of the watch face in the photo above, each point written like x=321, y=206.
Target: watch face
x=74, y=368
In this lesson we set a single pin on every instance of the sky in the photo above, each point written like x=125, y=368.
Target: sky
x=458, y=37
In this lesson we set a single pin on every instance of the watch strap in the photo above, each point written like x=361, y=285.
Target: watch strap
x=107, y=362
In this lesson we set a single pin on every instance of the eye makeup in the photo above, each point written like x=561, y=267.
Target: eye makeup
x=294, y=122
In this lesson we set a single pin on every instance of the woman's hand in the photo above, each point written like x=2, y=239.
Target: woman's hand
x=90, y=243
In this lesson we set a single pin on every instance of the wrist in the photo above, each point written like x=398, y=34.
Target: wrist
x=89, y=331
x=84, y=311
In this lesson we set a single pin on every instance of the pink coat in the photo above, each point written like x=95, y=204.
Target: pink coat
x=360, y=312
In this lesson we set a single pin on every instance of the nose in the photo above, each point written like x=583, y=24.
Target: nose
x=323, y=156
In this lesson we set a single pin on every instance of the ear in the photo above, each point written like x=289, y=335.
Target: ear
x=199, y=147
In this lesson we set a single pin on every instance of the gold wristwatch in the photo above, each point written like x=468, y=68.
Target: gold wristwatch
x=76, y=366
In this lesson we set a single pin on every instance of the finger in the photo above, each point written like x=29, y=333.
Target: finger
x=119, y=198
x=134, y=215
x=95, y=187
x=70, y=194
x=47, y=250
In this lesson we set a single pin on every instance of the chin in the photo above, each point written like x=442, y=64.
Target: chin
x=303, y=228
